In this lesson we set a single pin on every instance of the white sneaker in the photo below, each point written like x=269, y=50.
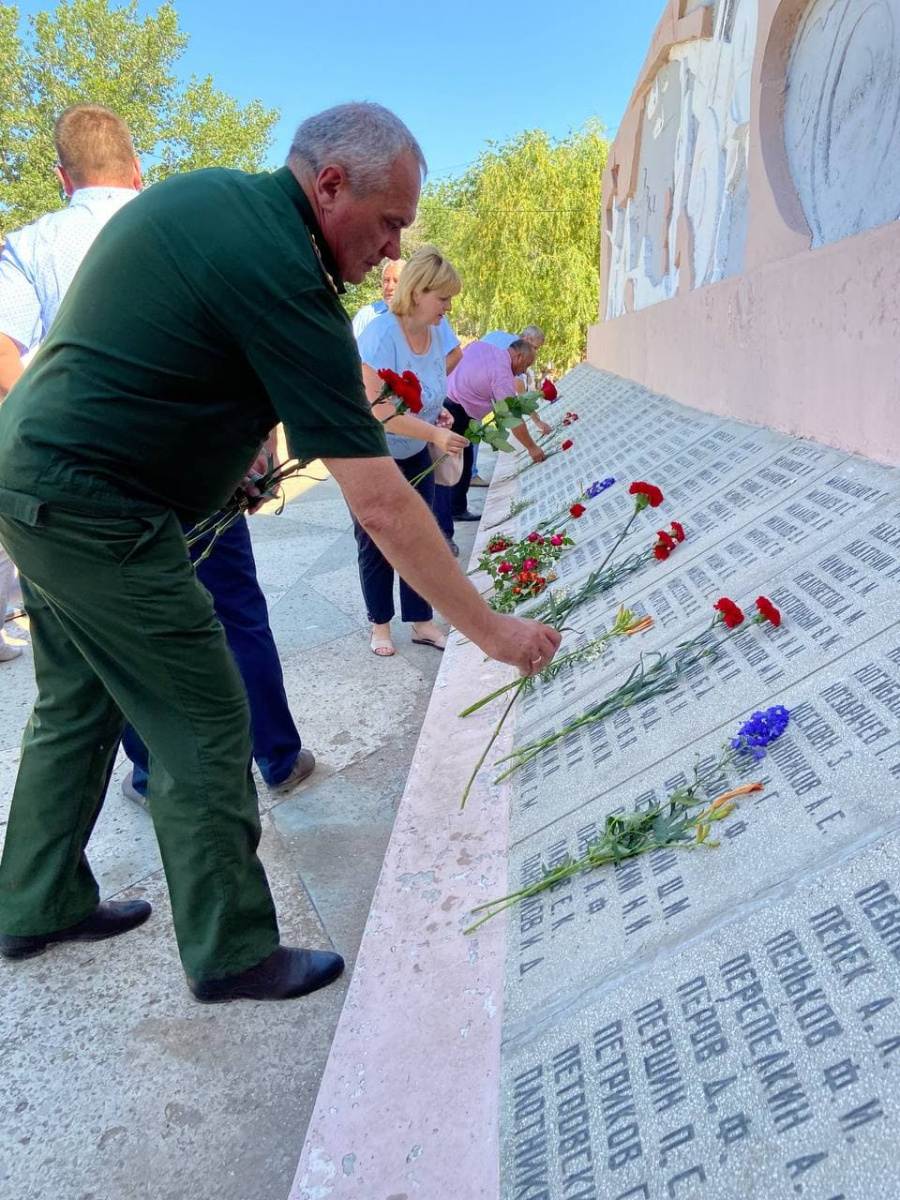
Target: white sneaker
x=8, y=652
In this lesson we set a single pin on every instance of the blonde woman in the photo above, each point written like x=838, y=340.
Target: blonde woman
x=407, y=338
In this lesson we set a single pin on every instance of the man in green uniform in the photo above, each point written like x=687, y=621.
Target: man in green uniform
x=206, y=311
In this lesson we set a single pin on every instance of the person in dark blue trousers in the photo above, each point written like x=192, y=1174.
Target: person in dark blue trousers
x=229, y=575
x=376, y=575
x=442, y=509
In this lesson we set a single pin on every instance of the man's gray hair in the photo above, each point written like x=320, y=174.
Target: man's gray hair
x=363, y=138
x=533, y=331
x=520, y=346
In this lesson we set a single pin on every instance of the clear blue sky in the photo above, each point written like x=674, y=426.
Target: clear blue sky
x=458, y=73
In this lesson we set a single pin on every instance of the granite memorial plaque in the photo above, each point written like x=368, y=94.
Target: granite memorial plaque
x=715, y=1022
x=759, y=1061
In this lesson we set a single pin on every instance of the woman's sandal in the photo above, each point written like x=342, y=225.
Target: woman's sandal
x=382, y=647
x=424, y=641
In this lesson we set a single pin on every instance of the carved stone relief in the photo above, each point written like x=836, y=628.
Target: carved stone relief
x=684, y=223
x=842, y=116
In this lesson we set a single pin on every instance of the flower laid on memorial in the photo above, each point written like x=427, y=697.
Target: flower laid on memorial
x=729, y=613
x=761, y=730
x=548, y=453
x=599, y=486
x=559, y=604
x=406, y=388
x=590, y=493
x=627, y=624
x=548, y=391
x=662, y=675
x=665, y=542
x=569, y=418
x=676, y=823
x=523, y=572
x=647, y=494
x=516, y=507
x=767, y=610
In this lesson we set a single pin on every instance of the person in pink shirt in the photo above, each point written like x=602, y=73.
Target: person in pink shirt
x=484, y=374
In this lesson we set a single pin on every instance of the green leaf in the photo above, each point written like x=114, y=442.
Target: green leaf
x=117, y=56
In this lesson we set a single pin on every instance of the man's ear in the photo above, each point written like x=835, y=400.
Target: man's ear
x=137, y=181
x=330, y=182
x=65, y=182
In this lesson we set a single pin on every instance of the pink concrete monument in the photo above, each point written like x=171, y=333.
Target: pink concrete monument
x=750, y=210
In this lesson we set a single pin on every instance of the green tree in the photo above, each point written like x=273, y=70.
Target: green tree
x=89, y=50
x=522, y=227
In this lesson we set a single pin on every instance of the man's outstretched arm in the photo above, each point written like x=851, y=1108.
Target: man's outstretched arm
x=403, y=528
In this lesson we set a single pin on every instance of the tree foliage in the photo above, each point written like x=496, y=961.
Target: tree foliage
x=522, y=227
x=87, y=50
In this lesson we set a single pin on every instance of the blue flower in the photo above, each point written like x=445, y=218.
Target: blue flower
x=597, y=487
x=760, y=731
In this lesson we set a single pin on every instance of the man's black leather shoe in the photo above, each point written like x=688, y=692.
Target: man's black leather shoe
x=467, y=516
x=286, y=973
x=109, y=918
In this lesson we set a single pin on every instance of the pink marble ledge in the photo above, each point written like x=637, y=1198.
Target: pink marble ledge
x=408, y=1104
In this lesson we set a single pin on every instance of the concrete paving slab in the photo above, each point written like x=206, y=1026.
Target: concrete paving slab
x=350, y=704
x=118, y=1085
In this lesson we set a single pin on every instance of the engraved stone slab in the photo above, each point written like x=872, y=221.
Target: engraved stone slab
x=741, y=561
x=834, y=600
x=759, y=1062
x=831, y=780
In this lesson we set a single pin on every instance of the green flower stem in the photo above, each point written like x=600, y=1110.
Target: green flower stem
x=521, y=683
x=643, y=683
x=424, y=474
x=670, y=825
x=565, y=871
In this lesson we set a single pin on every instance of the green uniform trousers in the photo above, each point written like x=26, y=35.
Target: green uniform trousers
x=121, y=631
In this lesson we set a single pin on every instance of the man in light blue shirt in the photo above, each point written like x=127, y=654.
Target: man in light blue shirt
x=99, y=172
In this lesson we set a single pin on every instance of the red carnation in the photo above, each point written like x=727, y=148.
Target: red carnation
x=660, y=552
x=548, y=390
x=566, y=421
x=405, y=387
x=768, y=611
x=577, y=509
x=529, y=564
x=497, y=545
x=678, y=531
x=665, y=539
x=504, y=568
x=566, y=446
x=731, y=614
x=651, y=494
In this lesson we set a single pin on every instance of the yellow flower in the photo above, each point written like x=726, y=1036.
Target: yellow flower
x=489, y=419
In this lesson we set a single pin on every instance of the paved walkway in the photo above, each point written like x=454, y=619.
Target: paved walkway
x=116, y=1085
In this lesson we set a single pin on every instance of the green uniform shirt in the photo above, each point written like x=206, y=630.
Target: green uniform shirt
x=205, y=312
